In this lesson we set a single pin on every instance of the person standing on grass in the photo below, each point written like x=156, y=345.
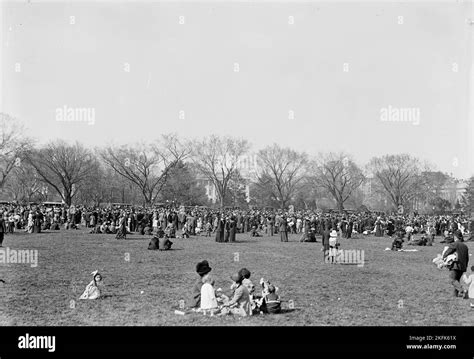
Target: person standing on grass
x=469, y=280
x=232, y=226
x=269, y=227
x=3, y=228
x=220, y=228
x=458, y=267
x=283, y=229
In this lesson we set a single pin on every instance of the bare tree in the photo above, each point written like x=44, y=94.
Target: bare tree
x=338, y=174
x=400, y=177
x=281, y=170
x=24, y=183
x=146, y=166
x=62, y=166
x=14, y=145
x=218, y=159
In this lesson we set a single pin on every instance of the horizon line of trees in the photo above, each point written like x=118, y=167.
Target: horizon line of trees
x=175, y=170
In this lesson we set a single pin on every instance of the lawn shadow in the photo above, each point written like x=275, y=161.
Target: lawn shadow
x=167, y=250
x=288, y=310
x=108, y=296
x=138, y=238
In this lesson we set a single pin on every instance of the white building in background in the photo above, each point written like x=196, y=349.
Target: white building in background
x=247, y=166
x=453, y=190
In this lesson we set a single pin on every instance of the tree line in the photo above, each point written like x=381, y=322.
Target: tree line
x=171, y=169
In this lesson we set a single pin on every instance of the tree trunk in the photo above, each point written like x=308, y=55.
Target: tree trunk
x=340, y=205
x=68, y=199
x=222, y=201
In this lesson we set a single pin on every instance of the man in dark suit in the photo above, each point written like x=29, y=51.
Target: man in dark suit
x=3, y=228
x=459, y=266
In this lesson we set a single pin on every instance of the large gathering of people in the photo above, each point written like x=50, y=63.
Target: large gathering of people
x=184, y=222
x=166, y=222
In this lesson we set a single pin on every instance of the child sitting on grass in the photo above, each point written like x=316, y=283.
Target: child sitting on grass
x=269, y=302
x=92, y=290
x=240, y=302
x=208, y=296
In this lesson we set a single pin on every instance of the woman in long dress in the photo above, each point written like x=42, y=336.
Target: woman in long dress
x=122, y=231
x=232, y=225
x=227, y=230
x=378, y=228
x=283, y=229
x=220, y=229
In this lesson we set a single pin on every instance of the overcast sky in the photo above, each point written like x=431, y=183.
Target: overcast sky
x=266, y=71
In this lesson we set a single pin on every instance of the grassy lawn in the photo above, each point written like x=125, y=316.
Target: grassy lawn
x=323, y=294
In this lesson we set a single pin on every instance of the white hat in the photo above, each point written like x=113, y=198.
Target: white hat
x=333, y=233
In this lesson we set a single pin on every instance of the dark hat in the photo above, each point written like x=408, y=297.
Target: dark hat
x=244, y=272
x=202, y=268
x=237, y=277
x=449, y=239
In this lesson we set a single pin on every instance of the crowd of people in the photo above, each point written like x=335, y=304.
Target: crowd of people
x=225, y=224
x=167, y=222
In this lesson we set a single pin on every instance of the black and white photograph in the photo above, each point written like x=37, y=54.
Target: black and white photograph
x=236, y=163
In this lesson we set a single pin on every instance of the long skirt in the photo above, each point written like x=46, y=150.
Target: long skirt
x=284, y=236
x=219, y=236
x=121, y=233
x=378, y=231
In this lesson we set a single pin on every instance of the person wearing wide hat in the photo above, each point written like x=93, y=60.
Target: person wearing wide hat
x=202, y=268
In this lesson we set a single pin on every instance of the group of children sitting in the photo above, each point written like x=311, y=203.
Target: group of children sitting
x=245, y=300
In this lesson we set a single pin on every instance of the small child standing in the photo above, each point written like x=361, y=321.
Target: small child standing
x=333, y=247
x=208, y=229
x=470, y=281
